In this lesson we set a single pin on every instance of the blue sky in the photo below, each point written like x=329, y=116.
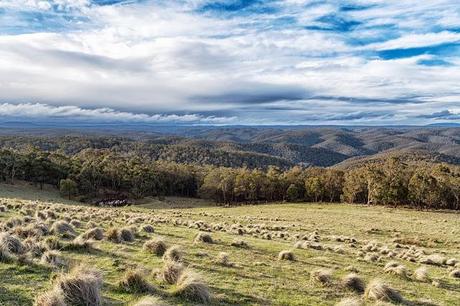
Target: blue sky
x=345, y=62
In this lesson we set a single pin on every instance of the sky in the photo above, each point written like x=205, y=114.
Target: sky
x=254, y=62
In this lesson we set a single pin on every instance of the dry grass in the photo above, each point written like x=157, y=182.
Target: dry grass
x=81, y=286
x=12, y=243
x=286, y=255
x=174, y=253
x=134, y=281
x=421, y=274
x=192, y=287
x=53, y=297
x=455, y=273
x=379, y=291
x=223, y=259
x=321, y=276
x=171, y=271
x=155, y=246
x=150, y=301
x=350, y=301
x=353, y=282
x=96, y=233
x=203, y=237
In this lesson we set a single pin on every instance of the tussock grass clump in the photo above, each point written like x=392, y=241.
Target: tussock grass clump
x=286, y=255
x=80, y=243
x=13, y=222
x=53, y=258
x=421, y=274
x=12, y=243
x=75, y=223
x=113, y=235
x=53, y=297
x=62, y=227
x=451, y=262
x=203, y=237
x=173, y=253
x=150, y=301
x=240, y=244
x=371, y=257
x=96, y=233
x=455, y=273
x=171, y=271
x=321, y=276
x=433, y=259
x=5, y=254
x=134, y=282
x=398, y=270
x=126, y=234
x=353, y=282
x=223, y=259
x=148, y=228
x=52, y=243
x=350, y=301
x=81, y=286
x=155, y=246
x=379, y=291
x=192, y=287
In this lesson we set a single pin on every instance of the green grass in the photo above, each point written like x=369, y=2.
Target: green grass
x=258, y=277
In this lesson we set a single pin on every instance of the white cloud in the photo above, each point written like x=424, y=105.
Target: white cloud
x=157, y=56
x=41, y=111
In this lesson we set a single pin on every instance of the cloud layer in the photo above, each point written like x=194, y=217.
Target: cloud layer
x=256, y=62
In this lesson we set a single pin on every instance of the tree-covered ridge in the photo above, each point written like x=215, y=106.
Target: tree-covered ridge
x=103, y=173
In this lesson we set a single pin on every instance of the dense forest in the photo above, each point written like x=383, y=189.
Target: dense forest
x=106, y=173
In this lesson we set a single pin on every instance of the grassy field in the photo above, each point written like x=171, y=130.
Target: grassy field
x=333, y=238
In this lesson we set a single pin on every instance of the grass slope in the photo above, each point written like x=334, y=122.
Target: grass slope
x=255, y=275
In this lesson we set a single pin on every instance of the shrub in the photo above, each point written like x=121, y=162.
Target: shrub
x=353, y=282
x=134, y=282
x=155, y=246
x=192, y=287
x=286, y=255
x=203, y=237
x=379, y=291
x=174, y=253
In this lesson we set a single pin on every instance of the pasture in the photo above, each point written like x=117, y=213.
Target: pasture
x=187, y=251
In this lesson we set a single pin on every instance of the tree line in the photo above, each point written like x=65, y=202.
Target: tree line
x=102, y=173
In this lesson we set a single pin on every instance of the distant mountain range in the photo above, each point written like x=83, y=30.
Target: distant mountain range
x=258, y=146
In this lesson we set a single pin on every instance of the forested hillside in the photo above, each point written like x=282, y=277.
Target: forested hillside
x=255, y=147
x=99, y=174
